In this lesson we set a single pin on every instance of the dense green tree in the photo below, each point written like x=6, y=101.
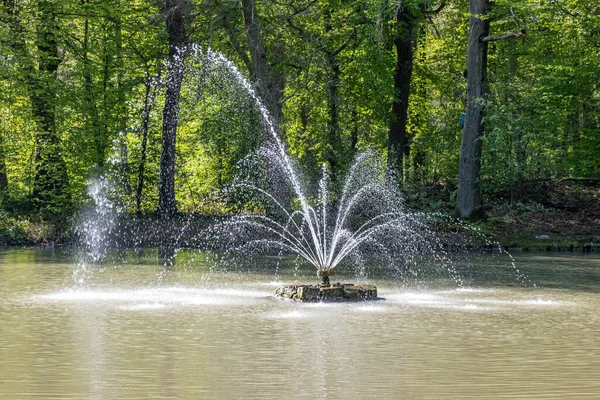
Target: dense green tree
x=408, y=16
x=99, y=87
x=51, y=192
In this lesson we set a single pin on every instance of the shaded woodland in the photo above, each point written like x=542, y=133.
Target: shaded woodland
x=481, y=108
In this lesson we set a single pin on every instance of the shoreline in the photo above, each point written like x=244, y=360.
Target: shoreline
x=565, y=245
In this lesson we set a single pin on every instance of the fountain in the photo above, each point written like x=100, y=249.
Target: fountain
x=96, y=228
x=363, y=220
x=359, y=221
x=137, y=330
x=366, y=218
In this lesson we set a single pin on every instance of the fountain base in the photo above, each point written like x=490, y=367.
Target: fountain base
x=337, y=292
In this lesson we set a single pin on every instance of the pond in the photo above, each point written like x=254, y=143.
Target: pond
x=139, y=331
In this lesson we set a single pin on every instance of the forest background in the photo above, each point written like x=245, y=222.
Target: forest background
x=488, y=110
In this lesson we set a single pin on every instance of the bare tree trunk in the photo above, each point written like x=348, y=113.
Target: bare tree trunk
x=469, y=197
x=3, y=174
x=149, y=98
x=268, y=90
x=397, y=135
x=334, y=140
x=173, y=12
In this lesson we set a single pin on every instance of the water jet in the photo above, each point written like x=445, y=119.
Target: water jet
x=358, y=220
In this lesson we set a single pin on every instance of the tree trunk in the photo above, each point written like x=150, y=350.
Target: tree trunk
x=590, y=113
x=51, y=185
x=518, y=139
x=334, y=145
x=3, y=174
x=334, y=152
x=121, y=108
x=469, y=197
x=51, y=194
x=173, y=12
x=354, y=135
x=269, y=92
x=149, y=98
x=397, y=135
x=93, y=124
x=229, y=26
x=101, y=141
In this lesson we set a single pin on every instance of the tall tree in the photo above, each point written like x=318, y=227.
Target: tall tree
x=93, y=123
x=51, y=192
x=469, y=196
x=468, y=204
x=3, y=174
x=408, y=16
x=269, y=88
x=404, y=45
x=331, y=34
x=335, y=150
x=174, y=13
x=150, y=92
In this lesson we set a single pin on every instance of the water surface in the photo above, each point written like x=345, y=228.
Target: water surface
x=136, y=331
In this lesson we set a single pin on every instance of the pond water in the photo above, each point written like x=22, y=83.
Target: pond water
x=138, y=331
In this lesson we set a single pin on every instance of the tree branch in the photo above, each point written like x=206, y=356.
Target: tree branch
x=299, y=11
x=566, y=10
x=236, y=44
x=309, y=79
x=502, y=37
x=343, y=46
x=439, y=8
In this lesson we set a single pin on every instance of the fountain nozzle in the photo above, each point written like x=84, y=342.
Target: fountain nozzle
x=324, y=274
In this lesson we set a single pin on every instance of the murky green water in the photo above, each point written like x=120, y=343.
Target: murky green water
x=132, y=332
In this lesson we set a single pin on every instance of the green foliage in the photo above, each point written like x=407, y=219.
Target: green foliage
x=336, y=62
x=219, y=126
x=12, y=230
x=437, y=98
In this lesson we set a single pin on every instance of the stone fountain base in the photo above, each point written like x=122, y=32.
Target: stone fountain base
x=337, y=292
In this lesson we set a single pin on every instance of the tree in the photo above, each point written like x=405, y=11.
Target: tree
x=468, y=205
x=330, y=33
x=269, y=89
x=407, y=17
x=51, y=193
x=3, y=175
x=150, y=93
x=174, y=13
